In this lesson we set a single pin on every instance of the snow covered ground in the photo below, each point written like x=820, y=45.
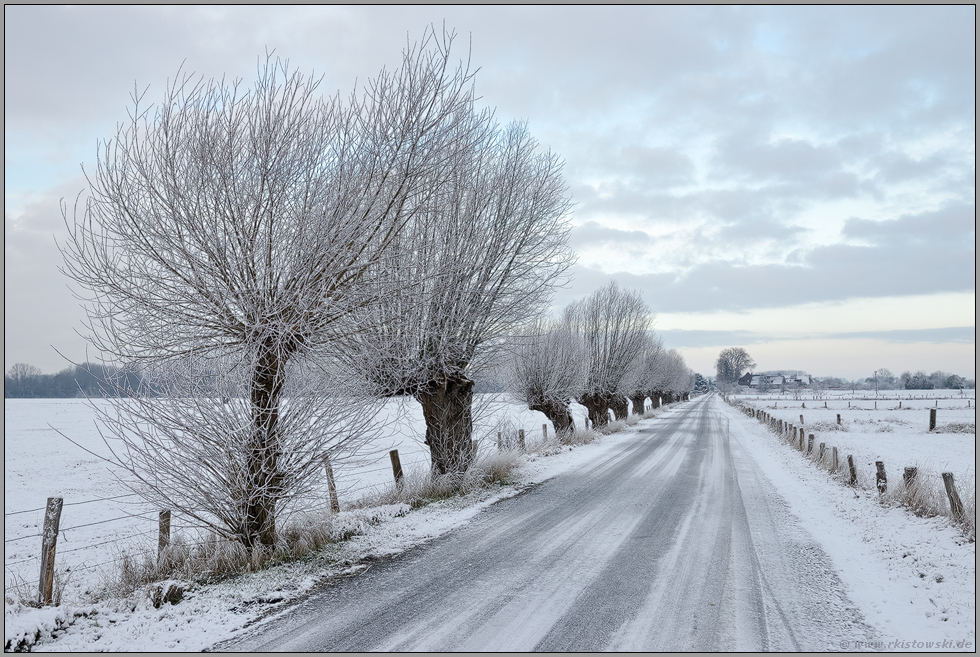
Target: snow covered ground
x=892, y=428
x=913, y=578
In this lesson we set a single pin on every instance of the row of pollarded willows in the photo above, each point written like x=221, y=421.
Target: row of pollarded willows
x=602, y=352
x=922, y=494
x=274, y=260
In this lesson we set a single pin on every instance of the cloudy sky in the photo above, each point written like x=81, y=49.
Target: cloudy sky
x=798, y=181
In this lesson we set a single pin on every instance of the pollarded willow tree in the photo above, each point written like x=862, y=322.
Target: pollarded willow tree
x=648, y=366
x=548, y=369
x=613, y=324
x=483, y=257
x=235, y=227
x=671, y=379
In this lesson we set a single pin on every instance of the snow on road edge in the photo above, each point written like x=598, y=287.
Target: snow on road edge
x=913, y=578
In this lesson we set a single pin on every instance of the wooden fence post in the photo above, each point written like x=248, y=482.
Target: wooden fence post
x=801, y=419
x=163, y=536
x=49, y=543
x=823, y=447
x=520, y=441
x=881, y=478
x=544, y=432
x=853, y=479
x=909, y=477
x=834, y=461
x=332, y=486
x=809, y=444
x=838, y=419
x=955, y=504
x=801, y=439
x=396, y=467
x=932, y=419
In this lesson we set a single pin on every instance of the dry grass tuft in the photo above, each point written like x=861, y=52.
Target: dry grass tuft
x=956, y=427
x=420, y=488
x=17, y=590
x=579, y=436
x=212, y=558
x=612, y=427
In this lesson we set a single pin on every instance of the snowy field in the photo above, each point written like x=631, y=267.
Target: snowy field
x=893, y=428
x=102, y=518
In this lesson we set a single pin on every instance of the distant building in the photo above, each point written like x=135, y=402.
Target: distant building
x=775, y=380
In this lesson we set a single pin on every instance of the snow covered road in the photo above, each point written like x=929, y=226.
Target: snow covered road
x=674, y=540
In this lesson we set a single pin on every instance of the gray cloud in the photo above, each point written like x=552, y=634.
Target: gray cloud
x=955, y=334
x=679, y=338
x=781, y=159
x=592, y=234
x=945, y=231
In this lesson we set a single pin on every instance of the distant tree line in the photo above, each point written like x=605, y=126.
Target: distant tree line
x=919, y=380
x=23, y=381
x=938, y=379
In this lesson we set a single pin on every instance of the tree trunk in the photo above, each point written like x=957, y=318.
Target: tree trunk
x=559, y=415
x=654, y=399
x=447, y=409
x=619, y=406
x=639, y=402
x=598, y=407
x=263, y=480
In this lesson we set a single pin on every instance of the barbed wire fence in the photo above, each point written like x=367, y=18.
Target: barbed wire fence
x=362, y=476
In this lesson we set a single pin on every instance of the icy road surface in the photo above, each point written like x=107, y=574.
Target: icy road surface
x=675, y=541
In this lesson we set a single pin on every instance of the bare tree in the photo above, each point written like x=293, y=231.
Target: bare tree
x=613, y=324
x=548, y=369
x=21, y=380
x=664, y=377
x=233, y=227
x=679, y=379
x=732, y=363
x=20, y=372
x=482, y=259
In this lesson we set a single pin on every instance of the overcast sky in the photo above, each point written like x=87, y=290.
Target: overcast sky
x=798, y=181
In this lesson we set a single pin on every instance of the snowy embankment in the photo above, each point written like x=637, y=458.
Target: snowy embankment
x=914, y=578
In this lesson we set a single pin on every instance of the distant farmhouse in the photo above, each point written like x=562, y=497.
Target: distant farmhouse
x=767, y=380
